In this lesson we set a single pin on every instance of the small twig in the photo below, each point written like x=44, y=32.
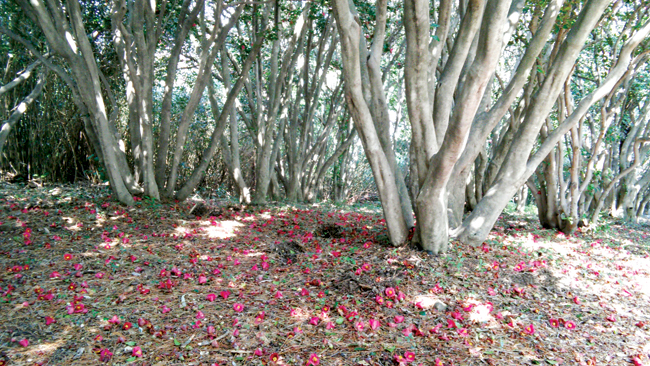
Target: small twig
x=222, y=336
x=188, y=341
x=237, y=3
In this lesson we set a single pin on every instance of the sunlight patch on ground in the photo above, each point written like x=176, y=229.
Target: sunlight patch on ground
x=90, y=254
x=426, y=301
x=40, y=350
x=222, y=230
x=300, y=314
x=254, y=254
x=478, y=311
x=181, y=230
x=608, y=277
x=604, y=281
x=100, y=221
x=73, y=224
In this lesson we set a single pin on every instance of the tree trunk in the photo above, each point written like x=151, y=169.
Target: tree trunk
x=186, y=20
x=197, y=175
x=514, y=172
x=20, y=109
x=350, y=32
x=231, y=153
x=62, y=31
x=432, y=200
x=278, y=92
x=210, y=48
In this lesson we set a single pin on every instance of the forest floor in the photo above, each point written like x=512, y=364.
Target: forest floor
x=85, y=280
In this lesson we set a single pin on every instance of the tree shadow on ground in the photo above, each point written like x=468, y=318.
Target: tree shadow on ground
x=247, y=284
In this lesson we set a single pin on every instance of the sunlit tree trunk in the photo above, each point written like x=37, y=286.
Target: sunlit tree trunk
x=267, y=114
x=230, y=151
x=67, y=38
x=350, y=32
x=518, y=165
x=186, y=20
x=484, y=21
x=20, y=109
x=487, y=120
x=211, y=44
x=136, y=50
x=221, y=122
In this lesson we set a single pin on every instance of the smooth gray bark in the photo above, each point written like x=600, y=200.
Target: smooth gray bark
x=66, y=36
x=350, y=32
x=231, y=152
x=513, y=173
x=186, y=19
x=210, y=48
x=21, y=77
x=278, y=93
x=221, y=122
x=20, y=109
x=486, y=121
x=432, y=199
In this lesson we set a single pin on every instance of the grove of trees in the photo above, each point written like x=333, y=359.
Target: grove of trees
x=455, y=108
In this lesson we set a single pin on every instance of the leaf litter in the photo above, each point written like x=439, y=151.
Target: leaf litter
x=86, y=280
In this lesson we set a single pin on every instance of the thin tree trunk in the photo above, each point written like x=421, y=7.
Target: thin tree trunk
x=211, y=47
x=20, y=109
x=197, y=175
x=186, y=19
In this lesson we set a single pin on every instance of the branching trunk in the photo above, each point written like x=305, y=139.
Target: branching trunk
x=601, y=200
x=517, y=167
x=350, y=32
x=267, y=117
x=66, y=36
x=230, y=152
x=210, y=48
x=20, y=109
x=186, y=19
x=432, y=199
x=215, y=140
x=486, y=121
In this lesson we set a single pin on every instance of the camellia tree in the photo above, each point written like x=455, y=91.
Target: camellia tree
x=498, y=94
x=138, y=28
x=279, y=54
x=449, y=73
x=519, y=164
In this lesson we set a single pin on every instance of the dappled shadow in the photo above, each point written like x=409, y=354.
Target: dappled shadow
x=178, y=280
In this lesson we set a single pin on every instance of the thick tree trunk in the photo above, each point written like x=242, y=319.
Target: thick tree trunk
x=486, y=121
x=432, y=200
x=379, y=109
x=67, y=38
x=136, y=51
